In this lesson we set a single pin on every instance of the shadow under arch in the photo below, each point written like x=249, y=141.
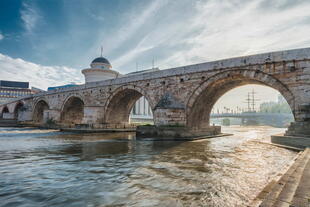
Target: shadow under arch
x=17, y=109
x=38, y=111
x=4, y=110
x=201, y=102
x=119, y=104
x=72, y=110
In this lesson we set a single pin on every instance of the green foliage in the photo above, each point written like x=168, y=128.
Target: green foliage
x=226, y=122
x=50, y=122
x=273, y=107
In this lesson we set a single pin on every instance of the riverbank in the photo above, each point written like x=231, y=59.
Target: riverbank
x=292, y=189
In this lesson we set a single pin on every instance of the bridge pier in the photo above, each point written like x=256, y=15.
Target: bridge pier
x=170, y=121
x=52, y=114
x=92, y=114
x=301, y=129
x=8, y=115
x=178, y=132
x=24, y=116
x=298, y=133
x=169, y=117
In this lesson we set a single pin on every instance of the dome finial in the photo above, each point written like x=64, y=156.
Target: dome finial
x=101, y=51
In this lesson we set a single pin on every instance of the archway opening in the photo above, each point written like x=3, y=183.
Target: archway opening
x=128, y=106
x=73, y=111
x=198, y=113
x=252, y=105
x=38, y=113
x=18, y=108
x=4, y=110
x=141, y=112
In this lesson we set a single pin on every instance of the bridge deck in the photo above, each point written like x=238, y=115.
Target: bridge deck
x=292, y=189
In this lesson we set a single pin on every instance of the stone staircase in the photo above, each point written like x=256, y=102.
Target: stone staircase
x=292, y=189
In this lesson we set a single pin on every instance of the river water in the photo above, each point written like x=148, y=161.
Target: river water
x=51, y=168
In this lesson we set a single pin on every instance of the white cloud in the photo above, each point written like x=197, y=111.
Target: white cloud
x=38, y=75
x=1, y=36
x=30, y=17
x=229, y=29
x=132, y=25
x=212, y=30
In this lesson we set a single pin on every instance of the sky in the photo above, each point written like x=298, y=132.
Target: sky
x=48, y=42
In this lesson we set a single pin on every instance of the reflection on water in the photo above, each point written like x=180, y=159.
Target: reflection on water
x=50, y=168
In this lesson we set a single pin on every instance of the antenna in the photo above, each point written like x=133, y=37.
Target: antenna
x=251, y=101
x=248, y=101
x=101, y=51
x=153, y=63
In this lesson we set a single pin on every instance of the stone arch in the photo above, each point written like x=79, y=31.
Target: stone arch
x=5, y=109
x=203, y=98
x=19, y=106
x=38, y=110
x=119, y=104
x=72, y=111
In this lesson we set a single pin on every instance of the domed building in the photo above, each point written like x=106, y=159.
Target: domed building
x=100, y=69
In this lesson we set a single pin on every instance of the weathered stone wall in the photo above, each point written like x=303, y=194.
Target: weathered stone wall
x=191, y=90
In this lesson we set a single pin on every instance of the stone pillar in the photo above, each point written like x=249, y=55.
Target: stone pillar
x=46, y=114
x=93, y=114
x=51, y=114
x=301, y=126
x=170, y=121
x=169, y=117
x=24, y=116
x=8, y=116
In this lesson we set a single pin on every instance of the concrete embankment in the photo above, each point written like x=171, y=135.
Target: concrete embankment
x=293, y=187
x=294, y=141
x=8, y=123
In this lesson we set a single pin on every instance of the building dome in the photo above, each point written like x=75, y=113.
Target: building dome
x=101, y=63
x=100, y=70
x=101, y=60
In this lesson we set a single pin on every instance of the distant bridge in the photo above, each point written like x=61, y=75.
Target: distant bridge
x=250, y=118
x=251, y=115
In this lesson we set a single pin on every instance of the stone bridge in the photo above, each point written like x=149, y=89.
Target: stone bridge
x=182, y=96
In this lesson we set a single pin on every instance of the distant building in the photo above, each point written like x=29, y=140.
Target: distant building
x=141, y=110
x=10, y=90
x=37, y=90
x=101, y=69
x=60, y=87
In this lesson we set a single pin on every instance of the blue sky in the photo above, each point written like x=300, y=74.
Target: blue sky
x=48, y=42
